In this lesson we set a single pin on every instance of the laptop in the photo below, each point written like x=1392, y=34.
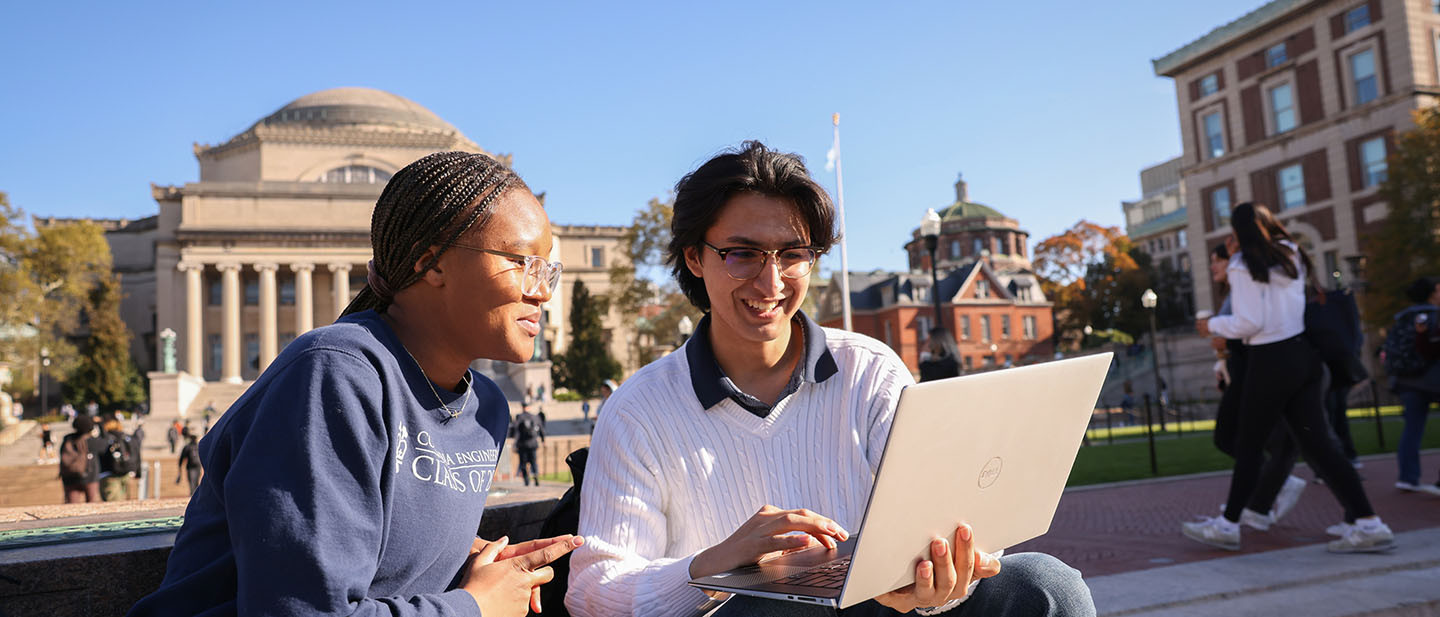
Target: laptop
x=1008, y=439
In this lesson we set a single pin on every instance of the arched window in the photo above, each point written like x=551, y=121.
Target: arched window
x=355, y=174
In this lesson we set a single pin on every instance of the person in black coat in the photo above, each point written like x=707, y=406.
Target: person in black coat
x=944, y=360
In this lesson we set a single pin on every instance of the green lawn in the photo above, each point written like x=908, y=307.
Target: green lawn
x=1129, y=457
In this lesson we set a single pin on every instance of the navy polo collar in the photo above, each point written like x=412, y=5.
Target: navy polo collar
x=712, y=386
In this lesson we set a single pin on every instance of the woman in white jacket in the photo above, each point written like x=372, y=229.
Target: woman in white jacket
x=1283, y=380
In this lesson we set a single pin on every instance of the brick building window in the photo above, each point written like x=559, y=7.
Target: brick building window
x=1357, y=18
x=1282, y=109
x=954, y=249
x=1275, y=55
x=922, y=323
x=1214, y=135
x=1362, y=77
x=1005, y=326
x=982, y=288
x=1028, y=322
x=979, y=246
x=969, y=363
x=1209, y=84
x=964, y=327
x=1220, y=205
x=1372, y=161
x=1292, y=186
x=985, y=328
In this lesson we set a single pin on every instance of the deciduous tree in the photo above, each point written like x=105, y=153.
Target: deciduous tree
x=1407, y=244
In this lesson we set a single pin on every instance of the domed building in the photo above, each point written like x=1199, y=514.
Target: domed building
x=273, y=239
x=990, y=300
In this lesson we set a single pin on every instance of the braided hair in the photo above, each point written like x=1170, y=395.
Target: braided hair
x=430, y=202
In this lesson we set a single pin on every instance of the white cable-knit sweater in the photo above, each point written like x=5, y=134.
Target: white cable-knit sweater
x=667, y=479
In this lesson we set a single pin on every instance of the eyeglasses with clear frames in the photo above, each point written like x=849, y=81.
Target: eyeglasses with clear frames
x=743, y=263
x=537, y=269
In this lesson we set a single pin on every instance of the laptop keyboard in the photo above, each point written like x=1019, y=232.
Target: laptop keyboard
x=825, y=576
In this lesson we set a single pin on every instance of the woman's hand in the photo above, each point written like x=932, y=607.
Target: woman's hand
x=1202, y=326
x=505, y=580
x=946, y=576
x=769, y=533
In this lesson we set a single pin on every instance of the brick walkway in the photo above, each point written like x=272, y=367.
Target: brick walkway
x=1136, y=526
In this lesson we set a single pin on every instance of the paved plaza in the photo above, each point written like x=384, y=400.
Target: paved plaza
x=1124, y=537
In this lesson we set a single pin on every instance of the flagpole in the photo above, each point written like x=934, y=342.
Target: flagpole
x=840, y=207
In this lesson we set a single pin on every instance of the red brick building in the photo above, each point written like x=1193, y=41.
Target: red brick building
x=990, y=299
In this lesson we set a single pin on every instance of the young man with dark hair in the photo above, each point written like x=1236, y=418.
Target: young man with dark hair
x=763, y=434
x=1422, y=387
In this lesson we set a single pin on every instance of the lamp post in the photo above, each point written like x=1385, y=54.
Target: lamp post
x=930, y=231
x=1148, y=300
x=44, y=396
x=686, y=328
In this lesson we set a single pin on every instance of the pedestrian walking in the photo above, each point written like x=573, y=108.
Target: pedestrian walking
x=1278, y=489
x=1283, y=380
x=79, y=467
x=944, y=360
x=528, y=432
x=117, y=463
x=172, y=435
x=189, y=464
x=47, y=444
x=1412, y=357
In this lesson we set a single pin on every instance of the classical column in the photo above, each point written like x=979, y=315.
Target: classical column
x=267, y=313
x=304, y=298
x=340, y=277
x=194, y=329
x=230, y=322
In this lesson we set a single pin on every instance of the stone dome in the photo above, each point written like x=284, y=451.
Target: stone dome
x=357, y=108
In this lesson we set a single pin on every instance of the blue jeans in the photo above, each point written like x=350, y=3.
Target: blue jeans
x=1417, y=407
x=1028, y=585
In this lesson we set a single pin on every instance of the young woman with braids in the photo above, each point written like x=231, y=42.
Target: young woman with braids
x=350, y=478
x=1282, y=380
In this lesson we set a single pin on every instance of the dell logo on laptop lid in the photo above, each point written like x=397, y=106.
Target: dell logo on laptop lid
x=990, y=472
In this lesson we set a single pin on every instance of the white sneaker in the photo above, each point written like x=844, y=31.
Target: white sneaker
x=1256, y=520
x=1364, y=539
x=1339, y=529
x=1216, y=532
x=1429, y=489
x=1287, y=498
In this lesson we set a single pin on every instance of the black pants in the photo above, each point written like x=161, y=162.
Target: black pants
x=1280, y=447
x=1284, y=381
x=528, y=469
x=1337, y=398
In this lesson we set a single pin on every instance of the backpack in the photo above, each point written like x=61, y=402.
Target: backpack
x=74, y=459
x=1402, y=357
x=527, y=431
x=564, y=519
x=119, y=455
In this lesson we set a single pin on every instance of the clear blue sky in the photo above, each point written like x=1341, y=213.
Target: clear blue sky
x=1050, y=109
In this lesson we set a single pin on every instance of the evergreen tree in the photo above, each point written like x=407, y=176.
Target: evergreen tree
x=587, y=362
x=105, y=373
x=1407, y=244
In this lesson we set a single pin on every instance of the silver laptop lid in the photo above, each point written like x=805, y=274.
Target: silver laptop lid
x=993, y=450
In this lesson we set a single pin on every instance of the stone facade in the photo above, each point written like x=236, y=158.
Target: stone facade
x=273, y=239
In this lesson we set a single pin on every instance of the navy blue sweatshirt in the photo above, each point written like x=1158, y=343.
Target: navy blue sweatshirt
x=337, y=485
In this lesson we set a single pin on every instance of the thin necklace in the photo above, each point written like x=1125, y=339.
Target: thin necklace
x=453, y=413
